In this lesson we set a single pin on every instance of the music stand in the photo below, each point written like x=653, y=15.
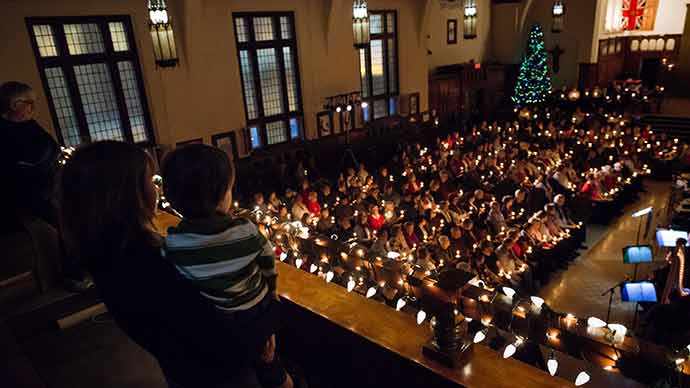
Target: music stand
x=666, y=238
x=636, y=254
x=638, y=292
x=639, y=214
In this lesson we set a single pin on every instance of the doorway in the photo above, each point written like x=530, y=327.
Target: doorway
x=649, y=72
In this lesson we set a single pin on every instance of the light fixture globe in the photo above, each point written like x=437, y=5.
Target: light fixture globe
x=582, y=379
x=421, y=316
x=479, y=337
x=552, y=366
x=350, y=285
x=471, y=10
x=360, y=24
x=162, y=35
x=509, y=351
x=595, y=322
x=537, y=301
x=470, y=19
x=558, y=13
x=574, y=95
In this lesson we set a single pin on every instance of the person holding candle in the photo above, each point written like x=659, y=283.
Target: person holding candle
x=376, y=219
x=312, y=203
x=325, y=224
x=299, y=209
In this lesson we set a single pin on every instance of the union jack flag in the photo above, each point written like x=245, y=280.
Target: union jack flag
x=638, y=14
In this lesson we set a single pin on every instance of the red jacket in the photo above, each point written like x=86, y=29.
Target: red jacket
x=314, y=207
x=590, y=190
x=376, y=223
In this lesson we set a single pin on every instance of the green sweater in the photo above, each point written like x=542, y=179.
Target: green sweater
x=227, y=258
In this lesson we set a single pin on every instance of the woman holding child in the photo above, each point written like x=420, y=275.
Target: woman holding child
x=108, y=205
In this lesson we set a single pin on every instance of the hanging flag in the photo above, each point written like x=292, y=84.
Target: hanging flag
x=638, y=14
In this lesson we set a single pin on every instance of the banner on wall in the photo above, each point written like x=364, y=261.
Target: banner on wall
x=638, y=14
x=631, y=15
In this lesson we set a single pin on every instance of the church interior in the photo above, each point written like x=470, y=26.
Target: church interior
x=345, y=193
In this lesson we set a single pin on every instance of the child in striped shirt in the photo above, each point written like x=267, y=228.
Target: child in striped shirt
x=226, y=258
x=231, y=263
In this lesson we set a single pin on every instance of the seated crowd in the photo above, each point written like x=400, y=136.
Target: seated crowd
x=497, y=202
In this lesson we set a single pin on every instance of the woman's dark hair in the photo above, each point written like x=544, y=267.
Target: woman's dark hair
x=9, y=91
x=107, y=200
x=196, y=178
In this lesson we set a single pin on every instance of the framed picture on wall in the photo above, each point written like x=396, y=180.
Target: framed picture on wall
x=404, y=105
x=337, y=123
x=348, y=120
x=324, y=123
x=366, y=114
x=394, y=106
x=187, y=142
x=358, y=114
x=414, y=104
x=226, y=141
x=452, y=28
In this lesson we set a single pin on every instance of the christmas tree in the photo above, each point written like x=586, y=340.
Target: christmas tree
x=534, y=82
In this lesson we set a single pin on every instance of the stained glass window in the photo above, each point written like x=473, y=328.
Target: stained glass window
x=270, y=77
x=98, y=99
x=84, y=38
x=92, y=78
x=45, y=40
x=118, y=35
x=62, y=102
x=378, y=64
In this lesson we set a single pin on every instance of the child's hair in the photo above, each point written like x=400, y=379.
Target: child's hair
x=196, y=178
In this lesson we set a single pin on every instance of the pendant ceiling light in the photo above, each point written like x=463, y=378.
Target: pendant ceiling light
x=162, y=34
x=360, y=23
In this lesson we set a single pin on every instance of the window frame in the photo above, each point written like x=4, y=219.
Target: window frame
x=110, y=58
x=384, y=37
x=251, y=46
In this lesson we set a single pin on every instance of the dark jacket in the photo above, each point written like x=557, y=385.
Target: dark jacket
x=28, y=165
x=195, y=344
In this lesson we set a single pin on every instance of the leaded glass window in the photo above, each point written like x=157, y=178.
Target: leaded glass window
x=92, y=78
x=378, y=64
x=267, y=51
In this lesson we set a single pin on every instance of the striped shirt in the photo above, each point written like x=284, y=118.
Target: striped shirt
x=231, y=263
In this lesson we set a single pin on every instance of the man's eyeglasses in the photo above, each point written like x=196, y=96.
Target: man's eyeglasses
x=29, y=102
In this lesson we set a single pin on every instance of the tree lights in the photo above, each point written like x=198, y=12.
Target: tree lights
x=534, y=82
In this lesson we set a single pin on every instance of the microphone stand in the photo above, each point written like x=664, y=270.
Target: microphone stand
x=611, y=291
